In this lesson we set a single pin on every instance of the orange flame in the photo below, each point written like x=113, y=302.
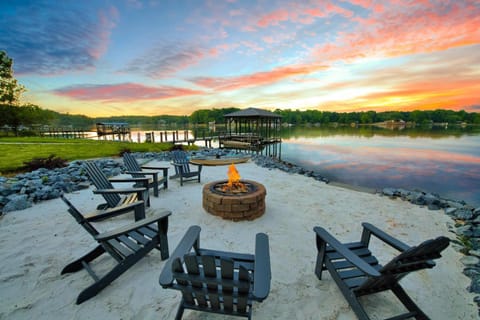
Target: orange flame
x=234, y=180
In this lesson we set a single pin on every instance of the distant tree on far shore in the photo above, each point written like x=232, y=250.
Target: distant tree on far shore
x=369, y=117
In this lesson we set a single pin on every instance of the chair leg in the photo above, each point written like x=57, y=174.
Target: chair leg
x=408, y=303
x=113, y=274
x=155, y=188
x=77, y=264
x=139, y=212
x=163, y=239
x=357, y=307
x=321, y=247
x=180, y=311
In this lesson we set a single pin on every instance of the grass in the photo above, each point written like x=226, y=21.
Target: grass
x=16, y=151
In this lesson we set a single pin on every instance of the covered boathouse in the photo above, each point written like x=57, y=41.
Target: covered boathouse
x=253, y=130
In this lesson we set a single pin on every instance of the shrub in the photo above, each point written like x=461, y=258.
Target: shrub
x=51, y=162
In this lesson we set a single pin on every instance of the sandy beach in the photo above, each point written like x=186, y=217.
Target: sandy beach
x=36, y=243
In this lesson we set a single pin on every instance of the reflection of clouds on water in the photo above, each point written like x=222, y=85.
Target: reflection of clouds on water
x=367, y=163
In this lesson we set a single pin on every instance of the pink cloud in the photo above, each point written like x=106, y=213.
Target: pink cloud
x=107, y=21
x=301, y=14
x=273, y=18
x=419, y=28
x=255, y=79
x=124, y=92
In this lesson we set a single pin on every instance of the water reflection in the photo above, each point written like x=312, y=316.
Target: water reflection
x=437, y=160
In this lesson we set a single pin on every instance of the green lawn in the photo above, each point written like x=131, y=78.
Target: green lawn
x=15, y=151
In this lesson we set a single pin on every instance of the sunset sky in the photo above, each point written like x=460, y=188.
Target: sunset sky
x=154, y=57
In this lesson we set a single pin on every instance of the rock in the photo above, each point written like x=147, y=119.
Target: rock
x=470, y=261
x=464, y=214
x=17, y=202
x=450, y=211
x=475, y=286
x=475, y=253
x=391, y=192
x=465, y=230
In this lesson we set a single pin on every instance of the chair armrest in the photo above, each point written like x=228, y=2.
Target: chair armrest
x=155, y=168
x=133, y=226
x=164, y=170
x=199, y=165
x=143, y=179
x=112, y=212
x=345, y=252
x=153, y=174
x=388, y=239
x=121, y=191
x=262, y=274
x=133, y=172
x=190, y=240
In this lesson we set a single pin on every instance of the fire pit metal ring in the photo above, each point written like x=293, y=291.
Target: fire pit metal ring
x=235, y=206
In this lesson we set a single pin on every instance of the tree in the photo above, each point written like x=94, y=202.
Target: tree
x=12, y=113
x=10, y=90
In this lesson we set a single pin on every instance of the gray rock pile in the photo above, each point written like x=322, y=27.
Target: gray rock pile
x=21, y=191
x=465, y=225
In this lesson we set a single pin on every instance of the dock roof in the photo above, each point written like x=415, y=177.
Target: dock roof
x=253, y=113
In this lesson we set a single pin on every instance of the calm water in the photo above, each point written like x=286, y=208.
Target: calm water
x=443, y=161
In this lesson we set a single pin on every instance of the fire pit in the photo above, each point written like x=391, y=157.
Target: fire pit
x=234, y=199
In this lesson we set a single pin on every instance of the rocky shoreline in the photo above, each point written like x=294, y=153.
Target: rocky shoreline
x=23, y=190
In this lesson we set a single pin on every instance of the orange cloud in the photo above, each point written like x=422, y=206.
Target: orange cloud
x=125, y=92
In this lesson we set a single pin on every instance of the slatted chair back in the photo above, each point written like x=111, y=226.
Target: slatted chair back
x=180, y=157
x=213, y=284
x=100, y=181
x=415, y=258
x=79, y=217
x=132, y=165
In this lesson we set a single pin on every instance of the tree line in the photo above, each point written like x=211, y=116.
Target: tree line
x=15, y=116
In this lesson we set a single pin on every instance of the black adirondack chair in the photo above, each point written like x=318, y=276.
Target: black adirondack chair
x=182, y=167
x=218, y=281
x=357, y=272
x=154, y=180
x=112, y=195
x=127, y=245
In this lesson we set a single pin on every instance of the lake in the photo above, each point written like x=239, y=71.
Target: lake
x=437, y=160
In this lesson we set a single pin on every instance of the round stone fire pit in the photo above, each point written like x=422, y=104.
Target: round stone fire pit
x=237, y=205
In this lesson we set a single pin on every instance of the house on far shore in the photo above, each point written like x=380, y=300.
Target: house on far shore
x=392, y=124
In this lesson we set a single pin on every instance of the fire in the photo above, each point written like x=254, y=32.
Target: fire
x=234, y=183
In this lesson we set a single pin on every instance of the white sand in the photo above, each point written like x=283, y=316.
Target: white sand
x=35, y=244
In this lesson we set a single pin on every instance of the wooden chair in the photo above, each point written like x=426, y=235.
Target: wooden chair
x=127, y=245
x=218, y=281
x=137, y=172
x=182, y=167
x=357, y=272
x=112, y=195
